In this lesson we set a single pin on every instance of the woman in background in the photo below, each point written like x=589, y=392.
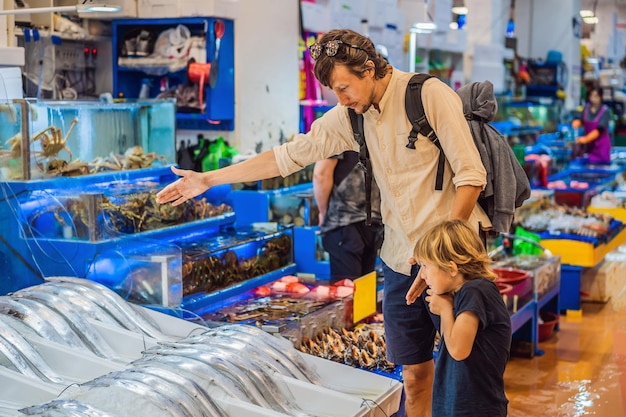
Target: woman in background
x=595, y=121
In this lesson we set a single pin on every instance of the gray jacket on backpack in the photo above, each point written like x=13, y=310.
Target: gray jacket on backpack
x=507, y=184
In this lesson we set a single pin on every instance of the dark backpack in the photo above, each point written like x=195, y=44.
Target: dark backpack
x=498, y=202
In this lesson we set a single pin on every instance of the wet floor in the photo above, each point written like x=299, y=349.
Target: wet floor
x=582, y=371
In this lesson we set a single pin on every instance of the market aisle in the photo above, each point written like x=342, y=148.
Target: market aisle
x=582, y=371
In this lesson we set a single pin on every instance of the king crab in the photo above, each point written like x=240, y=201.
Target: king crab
x=52, y=141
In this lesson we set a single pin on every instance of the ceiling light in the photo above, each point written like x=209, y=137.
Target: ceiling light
x=459, y=10
x=423, y=27
x=586, y=13
x=79, y=8
x=100, y=8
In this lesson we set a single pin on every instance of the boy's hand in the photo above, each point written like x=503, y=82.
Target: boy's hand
x=438, y=303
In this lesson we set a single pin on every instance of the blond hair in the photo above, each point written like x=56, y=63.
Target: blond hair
x=455, y=241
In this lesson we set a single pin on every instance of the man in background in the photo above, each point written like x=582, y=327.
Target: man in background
x=339, y=190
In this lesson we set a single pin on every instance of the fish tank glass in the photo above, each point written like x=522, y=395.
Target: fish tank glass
x=149, y=273
x=47, y=139
x=298, y=208
x=113, y=207
x=232, y=257
x=529, y=114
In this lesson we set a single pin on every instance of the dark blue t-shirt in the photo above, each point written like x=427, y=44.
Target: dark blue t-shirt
x=474, y=387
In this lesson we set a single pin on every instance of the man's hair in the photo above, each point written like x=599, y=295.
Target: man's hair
x=455, y=241
x=354, y=59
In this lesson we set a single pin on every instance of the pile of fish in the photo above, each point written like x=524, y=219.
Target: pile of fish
x=557, y=219
x=230, y=370
x=56, y=311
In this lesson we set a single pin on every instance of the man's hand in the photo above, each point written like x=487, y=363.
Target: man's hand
x=418, y=286
x=438, y=303
x=190, y=185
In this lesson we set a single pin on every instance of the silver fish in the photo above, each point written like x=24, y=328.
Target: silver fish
x=288, y=354
x=84, y=306
x=145, y=324
x=15, y=358
x=238, y=364
x=21, y=311
x=140, y=388
x=195, y=391
x=176, y=393
x=203, y=374
x=245, y=348
x=234, y=340
x=21, y=327
x=102, y=301
x=30, y=354
x=71, y=408
x=33, y=315
x=94, y=341
x=262, y=379
x=228, y=369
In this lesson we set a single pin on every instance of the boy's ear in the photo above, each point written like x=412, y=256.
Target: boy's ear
x=454, y=268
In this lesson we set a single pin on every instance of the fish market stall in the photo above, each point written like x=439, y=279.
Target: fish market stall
x=100, y=219
x=178, y=369
x=580, y=238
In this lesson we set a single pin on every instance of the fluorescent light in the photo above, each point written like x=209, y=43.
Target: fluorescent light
x=586, y=13
x=423, y=27
x=590, y=20
x=102, y=8
x=80, y=8
x=459, y=10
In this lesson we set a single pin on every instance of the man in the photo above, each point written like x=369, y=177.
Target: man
x=339, y=190
x=362, y=80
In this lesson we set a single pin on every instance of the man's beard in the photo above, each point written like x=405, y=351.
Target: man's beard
x=363, y=108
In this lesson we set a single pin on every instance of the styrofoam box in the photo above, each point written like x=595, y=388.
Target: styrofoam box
x=597, y=282
x=383, y=393
x=346, y=391
x=346, y=386
x=170, y=325
x=127, y=344
x=18, y=391
x=228, y=9
x=72, y=364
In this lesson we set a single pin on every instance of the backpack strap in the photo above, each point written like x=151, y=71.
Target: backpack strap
x=345, y=163
x=364, y=160
x=415, y=112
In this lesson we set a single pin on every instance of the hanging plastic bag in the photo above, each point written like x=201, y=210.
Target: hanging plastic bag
x=173, y=43
x=522, y=247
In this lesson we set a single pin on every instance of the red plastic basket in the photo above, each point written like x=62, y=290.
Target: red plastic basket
x=510, y=276
x=547, y=327
x=504, y=288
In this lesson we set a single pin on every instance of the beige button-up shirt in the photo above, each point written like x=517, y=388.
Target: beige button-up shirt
x=406, y=177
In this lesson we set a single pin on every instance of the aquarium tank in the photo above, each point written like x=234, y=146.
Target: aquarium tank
x=46, y=139
x=529, y=113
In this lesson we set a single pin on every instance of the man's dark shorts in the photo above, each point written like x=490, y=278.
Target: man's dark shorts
x=409, y=329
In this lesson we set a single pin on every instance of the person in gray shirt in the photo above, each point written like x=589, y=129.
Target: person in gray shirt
x=339, y=190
